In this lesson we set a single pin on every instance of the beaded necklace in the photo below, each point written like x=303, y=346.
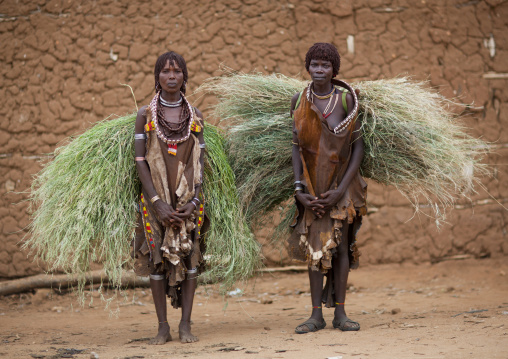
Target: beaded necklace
x=332, y=95
x=333, y=108
x=187, y=119
x=344, y=123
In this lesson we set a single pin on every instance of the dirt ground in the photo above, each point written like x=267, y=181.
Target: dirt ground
x=452, y=309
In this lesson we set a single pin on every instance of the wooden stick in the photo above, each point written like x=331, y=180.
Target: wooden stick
x=129, y=279
x=456, y=257
x=285, y=269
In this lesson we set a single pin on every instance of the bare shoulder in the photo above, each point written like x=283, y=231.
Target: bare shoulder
x=140, y=120
x=198, y=113
x=142, y=112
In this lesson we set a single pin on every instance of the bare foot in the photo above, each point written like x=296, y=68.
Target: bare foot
x=163, y=335
x=185, y=333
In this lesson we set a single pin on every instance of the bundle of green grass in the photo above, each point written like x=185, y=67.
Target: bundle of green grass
x=84, y=204
x=412, y=141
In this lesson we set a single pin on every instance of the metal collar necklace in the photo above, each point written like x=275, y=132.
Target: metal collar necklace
x=170, y=104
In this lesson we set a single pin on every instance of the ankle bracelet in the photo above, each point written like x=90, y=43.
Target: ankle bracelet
x=339, y=303
x=316, y=307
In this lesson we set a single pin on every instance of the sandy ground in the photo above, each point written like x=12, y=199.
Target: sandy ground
x=405, y=311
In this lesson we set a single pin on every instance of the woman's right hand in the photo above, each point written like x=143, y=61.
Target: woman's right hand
x=309, y=202
x=166, y=214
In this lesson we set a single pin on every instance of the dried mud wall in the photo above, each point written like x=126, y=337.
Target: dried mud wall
x=63, y=63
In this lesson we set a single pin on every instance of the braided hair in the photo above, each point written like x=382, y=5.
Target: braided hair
x=323, y=51
x=173, y=58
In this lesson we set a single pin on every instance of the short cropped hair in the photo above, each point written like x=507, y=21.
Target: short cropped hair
x=173, y=58
x=323, y=51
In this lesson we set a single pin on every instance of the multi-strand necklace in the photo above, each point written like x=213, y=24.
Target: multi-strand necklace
x=332, y=95
x=171, y=128
x=345, y=123
x=163, y=128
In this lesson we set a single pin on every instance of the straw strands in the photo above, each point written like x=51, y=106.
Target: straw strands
x=411, y=140
x=84, y=201
x=232, y=253
x=84, y=205
x=254, y=110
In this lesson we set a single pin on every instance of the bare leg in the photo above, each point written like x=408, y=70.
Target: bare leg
x=340, y=267
x=188, y=290
x=316, y=290
x=159, y=300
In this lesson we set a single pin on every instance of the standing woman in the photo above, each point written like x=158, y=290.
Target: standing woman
x=329, y=191
x=169, y=147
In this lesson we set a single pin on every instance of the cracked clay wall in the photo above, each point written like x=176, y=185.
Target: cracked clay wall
x=62, y=63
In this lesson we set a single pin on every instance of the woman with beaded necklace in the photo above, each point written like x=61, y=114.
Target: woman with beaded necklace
x=329, y=191
x=169, y=147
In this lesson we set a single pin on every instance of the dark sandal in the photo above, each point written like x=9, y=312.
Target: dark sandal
x=313, y=325
x=345, y=328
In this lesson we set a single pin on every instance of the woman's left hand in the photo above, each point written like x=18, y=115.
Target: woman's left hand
x=330, y=198
x=185, y=211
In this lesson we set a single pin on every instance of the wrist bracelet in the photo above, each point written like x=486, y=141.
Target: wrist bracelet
x=194, y=203
x=154, y=198
x=197, y=199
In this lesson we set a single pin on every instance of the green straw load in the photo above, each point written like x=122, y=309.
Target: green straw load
x=84, y=205
x=411, y=140
x=232, y=252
